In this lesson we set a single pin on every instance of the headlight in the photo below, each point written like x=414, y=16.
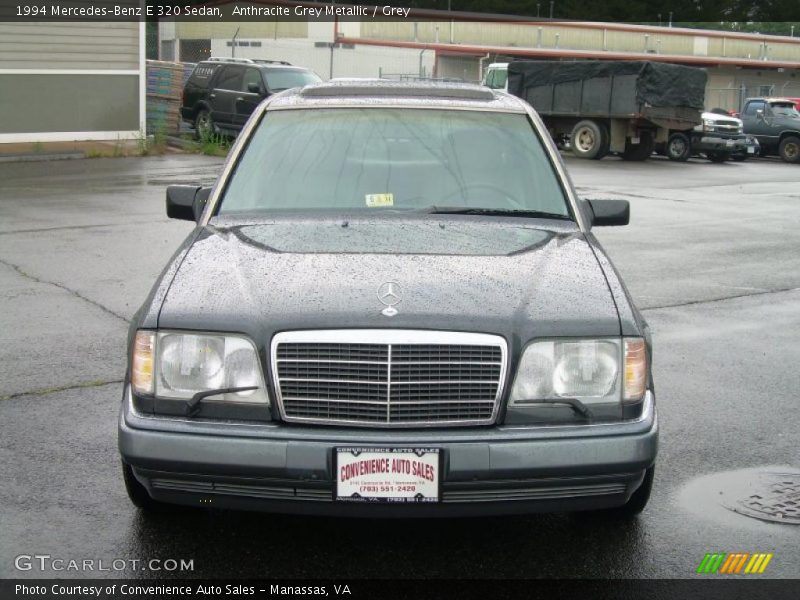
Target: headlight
x=592, y=371
x=708, y=125
x=183, y=364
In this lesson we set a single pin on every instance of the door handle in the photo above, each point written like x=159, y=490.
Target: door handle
x=240, y=99
x=212, y=95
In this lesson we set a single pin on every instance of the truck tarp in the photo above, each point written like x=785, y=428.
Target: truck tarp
x=657, y=84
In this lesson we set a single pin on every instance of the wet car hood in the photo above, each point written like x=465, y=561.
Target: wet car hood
x=521, y=278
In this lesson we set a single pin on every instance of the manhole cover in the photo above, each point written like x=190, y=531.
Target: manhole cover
x=769, y=497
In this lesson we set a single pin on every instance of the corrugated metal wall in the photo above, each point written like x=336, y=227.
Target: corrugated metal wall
x=69, y=45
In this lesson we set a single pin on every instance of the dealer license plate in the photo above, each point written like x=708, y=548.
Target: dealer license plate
x=729, y=142
x=387, y=474
x=751, y=150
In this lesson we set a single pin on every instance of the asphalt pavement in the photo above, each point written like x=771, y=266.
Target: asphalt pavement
x=711, y=256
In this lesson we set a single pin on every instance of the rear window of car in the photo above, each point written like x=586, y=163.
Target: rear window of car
x=284, y=79
x=397, y=159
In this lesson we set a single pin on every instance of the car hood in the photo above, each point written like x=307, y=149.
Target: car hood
x=521, y=278
x=718, y=117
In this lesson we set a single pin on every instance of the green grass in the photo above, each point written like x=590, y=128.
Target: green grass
x=213, y=144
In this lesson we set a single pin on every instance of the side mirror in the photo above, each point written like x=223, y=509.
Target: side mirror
x=254, y=88
x=186, y=202
x=610, y=212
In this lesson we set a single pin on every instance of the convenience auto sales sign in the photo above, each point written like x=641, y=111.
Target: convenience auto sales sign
x=387, y=474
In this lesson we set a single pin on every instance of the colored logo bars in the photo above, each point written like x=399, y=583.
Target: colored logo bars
x=734, y=563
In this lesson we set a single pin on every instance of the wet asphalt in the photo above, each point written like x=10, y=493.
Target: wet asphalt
x=712, y=256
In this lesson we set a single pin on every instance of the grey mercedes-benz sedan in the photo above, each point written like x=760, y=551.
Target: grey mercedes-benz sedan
x=392, y=304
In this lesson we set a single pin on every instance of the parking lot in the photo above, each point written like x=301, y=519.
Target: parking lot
x=711, y=257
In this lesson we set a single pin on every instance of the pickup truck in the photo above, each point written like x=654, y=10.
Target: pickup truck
x=775, y=123
x=719, y=138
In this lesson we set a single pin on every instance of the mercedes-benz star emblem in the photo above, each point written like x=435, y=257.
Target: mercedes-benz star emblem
x=389, y=295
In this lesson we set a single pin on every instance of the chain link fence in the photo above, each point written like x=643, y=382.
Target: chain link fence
x=732, y=98
x=417, y=77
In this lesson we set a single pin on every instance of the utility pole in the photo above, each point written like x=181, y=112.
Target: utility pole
x=552, y=2
x=451, y=21
x=233, y=43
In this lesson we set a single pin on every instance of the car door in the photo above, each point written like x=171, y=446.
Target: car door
x=227, y=87
x=758, y=125
x=253, y=91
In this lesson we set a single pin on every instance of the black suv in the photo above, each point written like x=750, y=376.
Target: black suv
x=221, y=93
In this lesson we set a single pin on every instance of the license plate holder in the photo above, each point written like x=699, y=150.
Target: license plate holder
x=387, y=475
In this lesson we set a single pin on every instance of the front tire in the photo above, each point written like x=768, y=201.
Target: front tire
x=138, y=493
x=789, y=149
x=203, y=125
x=679, y=147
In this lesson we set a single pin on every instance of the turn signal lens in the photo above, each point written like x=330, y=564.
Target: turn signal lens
x=635, y=370
x=142, y=367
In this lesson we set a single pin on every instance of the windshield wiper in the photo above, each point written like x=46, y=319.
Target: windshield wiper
x=193, y=405
x=502, y=212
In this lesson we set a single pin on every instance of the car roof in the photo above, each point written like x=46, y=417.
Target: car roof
x=266, y=64
x=772, y=99
x=381, y=92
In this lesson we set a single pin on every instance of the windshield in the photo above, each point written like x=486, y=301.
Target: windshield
x=284, y=79
x=377, y=159
x=785, y=109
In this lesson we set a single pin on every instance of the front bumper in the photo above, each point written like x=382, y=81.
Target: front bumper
x=719, y=142
x=494, y=470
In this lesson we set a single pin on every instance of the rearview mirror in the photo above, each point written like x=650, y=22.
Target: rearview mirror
x=610, y=212
x=760, y=113
x=186, y=202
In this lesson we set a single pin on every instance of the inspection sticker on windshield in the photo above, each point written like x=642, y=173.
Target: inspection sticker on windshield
x=387, y=475
x=378, y=200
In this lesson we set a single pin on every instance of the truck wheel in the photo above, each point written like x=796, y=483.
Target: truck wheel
x=739, y=157
x=606, y=139
x=203, y=125
x=717, y=157
x=587, y=139
x=640, y=151
x=679, y=147
x=790, y=149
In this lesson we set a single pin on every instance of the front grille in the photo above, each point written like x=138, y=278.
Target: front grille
x=726, y=127
x=388, y=378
